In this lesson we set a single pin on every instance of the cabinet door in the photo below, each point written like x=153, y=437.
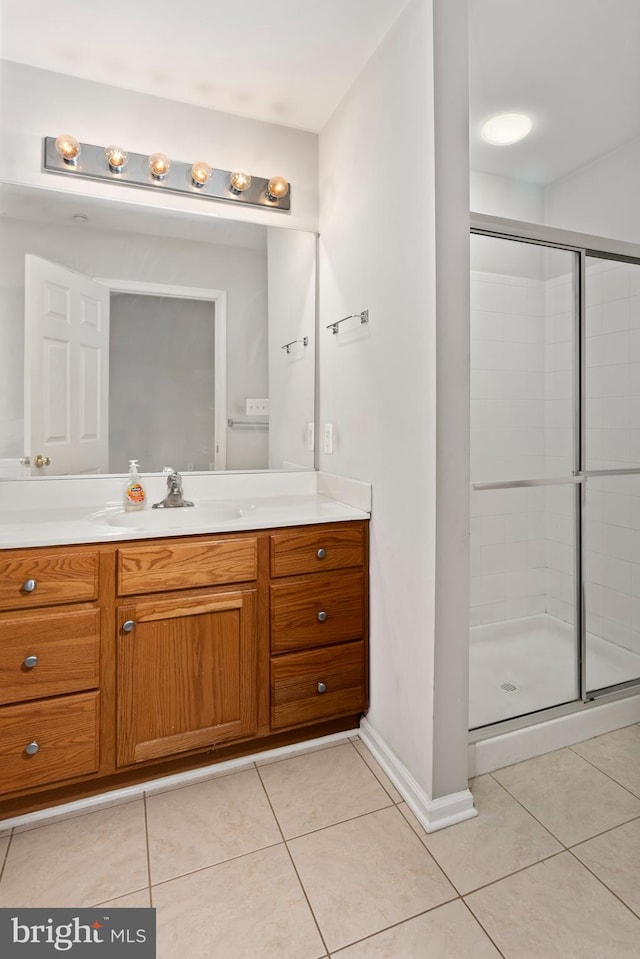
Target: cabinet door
x=186, y=674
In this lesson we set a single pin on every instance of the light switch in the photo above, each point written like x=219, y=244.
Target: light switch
x=328, y=437
x=310, y=437
x=258, y=407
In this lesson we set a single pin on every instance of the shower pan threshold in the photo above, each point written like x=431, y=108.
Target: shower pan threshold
x=525, y=665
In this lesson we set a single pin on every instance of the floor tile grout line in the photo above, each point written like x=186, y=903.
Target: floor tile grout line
x=527, y=810
x=214, y=865
x=604, y=832
x=515, y=872
x=603, y=883
x=396, y=802
x=6, y=854
x=147, y=847
x=608, y=775
x=293, y=865
x=259, y=763
x=487, y=934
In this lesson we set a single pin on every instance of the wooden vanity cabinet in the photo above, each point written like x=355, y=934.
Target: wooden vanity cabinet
x=126, y=661
x=50, y=647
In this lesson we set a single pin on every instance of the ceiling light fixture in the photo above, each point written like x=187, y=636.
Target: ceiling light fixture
x=506, y=128
x=158, y=172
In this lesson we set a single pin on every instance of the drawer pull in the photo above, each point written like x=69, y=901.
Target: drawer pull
x=29, y=585
x=31, y=661
x=322, y=617
x=32, y=748
x=321, y=553
x=322, y=688
x=128, y=626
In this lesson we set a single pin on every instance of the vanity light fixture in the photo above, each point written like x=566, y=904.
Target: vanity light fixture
x=158, y=172
x=159, y=165
x=240, y=181
x=201, y=173
x=277, y=188
x=68, y=148
x=116, y=158
x=506, y=128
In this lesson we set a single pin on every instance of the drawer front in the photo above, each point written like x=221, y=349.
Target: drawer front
x=45, y=655
x=153, y=569
x=297, y=681
x=65, y=731
x=317, y=611
x=316, y=550
x=42, y=579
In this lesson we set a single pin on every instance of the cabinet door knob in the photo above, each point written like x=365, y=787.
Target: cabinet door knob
x=31, y=748
x=322, y=616
x=322, y=687
x=31, y=661
x=29, y=585
x=321, y=553
x=128, y=626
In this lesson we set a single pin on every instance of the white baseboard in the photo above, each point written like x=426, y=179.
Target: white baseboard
x=433, y=814
x=190, y=776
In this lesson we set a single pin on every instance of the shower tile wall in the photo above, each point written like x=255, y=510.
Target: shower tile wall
x=612, y=530
x=508, y=568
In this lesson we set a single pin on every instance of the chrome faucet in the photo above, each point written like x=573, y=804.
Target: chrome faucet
x=174, y=496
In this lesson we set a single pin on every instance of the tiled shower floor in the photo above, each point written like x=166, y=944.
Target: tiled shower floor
x=316, y=855
x=528, y=664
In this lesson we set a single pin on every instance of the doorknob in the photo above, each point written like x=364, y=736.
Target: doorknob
x=41, y=461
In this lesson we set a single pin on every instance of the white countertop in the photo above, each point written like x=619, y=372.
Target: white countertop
x=89, y=509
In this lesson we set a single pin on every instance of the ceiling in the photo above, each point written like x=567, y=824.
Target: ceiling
x=572, y=65
x=288, y=62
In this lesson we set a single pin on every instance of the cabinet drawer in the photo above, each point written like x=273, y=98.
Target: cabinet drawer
x=315, y=550
x=317, y=611
x=297, y=680
x=65, y=647
x=66, y=733
x=152, y=569
x=53, y=577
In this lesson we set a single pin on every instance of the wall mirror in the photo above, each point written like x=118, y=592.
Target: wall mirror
x=129, y=332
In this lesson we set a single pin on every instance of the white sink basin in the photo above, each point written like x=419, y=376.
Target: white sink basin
x=178, y=518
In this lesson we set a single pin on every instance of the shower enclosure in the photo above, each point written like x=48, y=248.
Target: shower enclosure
x=555, y=472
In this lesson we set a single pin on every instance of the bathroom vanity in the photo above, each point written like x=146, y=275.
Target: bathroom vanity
x=134, y=652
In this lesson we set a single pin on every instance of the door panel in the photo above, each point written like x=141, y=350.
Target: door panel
x=66, y=369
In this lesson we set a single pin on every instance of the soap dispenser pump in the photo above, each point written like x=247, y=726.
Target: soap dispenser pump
x=134, y=494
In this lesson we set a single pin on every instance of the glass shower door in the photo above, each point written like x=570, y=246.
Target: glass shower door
x=612, y=468
x=525, y=461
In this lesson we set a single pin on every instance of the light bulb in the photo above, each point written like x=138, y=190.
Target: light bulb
x=240, y=181
x=159, y=165
x=200, y=173
x=277, y=188
x=68, y=148
x=116, y=158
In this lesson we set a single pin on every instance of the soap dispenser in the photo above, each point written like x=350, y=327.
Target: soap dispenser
x=134, y=494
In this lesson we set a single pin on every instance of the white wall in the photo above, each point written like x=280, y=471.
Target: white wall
x=291, y=259
x=500, y=196
x=37, y=103
x=378, y=382
x=600, y=198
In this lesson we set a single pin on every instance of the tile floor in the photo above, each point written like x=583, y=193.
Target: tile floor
x=316, y=856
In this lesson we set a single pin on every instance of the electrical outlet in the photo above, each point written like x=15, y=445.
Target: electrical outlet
x=310, y=437
x=258, y=407
x=328, y=437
